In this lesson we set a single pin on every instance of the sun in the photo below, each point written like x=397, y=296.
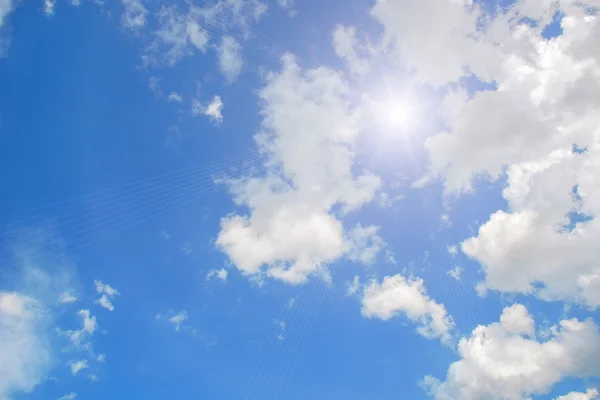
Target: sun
x=396, y=114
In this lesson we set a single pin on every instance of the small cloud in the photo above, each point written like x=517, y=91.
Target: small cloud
x=49, y=7
x=177, y=319
x=93, y=377
x=229, y=54
x=213, y=110
x=187, y=249
x=134, y=16
x=291, y=302
x=108, y=293
x=175, y=97
x=455, y=272
x=70, y=396
x=154, y=85
x=386, y=201
x=77, y=366
x=67, y=298
x=390, y=257
x=353, y=287
x=217, y=273
x=446, y=220
x=165, y=235
x=101, y=358
x=289, y=6
x=453, y=249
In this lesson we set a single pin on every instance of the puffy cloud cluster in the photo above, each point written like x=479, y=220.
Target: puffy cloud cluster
x=539, y=127
x=397, y=295
x=308, y=131
x=107, y=294
x=505, y=360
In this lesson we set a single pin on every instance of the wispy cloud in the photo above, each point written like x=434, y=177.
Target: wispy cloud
x=107, y=294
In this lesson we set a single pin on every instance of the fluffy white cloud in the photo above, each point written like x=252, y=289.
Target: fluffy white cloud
x=504, y=360
x=229, y=54
x=24, y=349
x=212, y=109
x=308, y=132
x=78, y=366
x=69, y=396
x=397, y=295
x=134, y=14
x=217, y=274
x=81, y=337
x=107, y=294
x=589, y=395
x=545, y=102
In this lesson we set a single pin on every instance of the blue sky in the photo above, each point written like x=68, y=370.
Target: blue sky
x=238, y=199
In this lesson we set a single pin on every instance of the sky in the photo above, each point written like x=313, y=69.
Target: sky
x=299, y=199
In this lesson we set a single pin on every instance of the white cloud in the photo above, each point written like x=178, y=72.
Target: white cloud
x=107, y=294
x=25, y=353
x=48, y=7
x=505, y=361
x=177, y=319
x=456, y=272
x=353, y=287
x=181, y=33
x=229, y=54
x=218, y=274
x=6, y=8
x=177, y=98
x=453, y=249
x=398, y=295
x=308, y=132
x=134, y=14
x=213, y=109
x=364, y=244
x=101, y=358
x=80, y=338
x=67, y=298
x=70, y=396
x=589, y=395
x=289, y=6
x=78, y=366
x=546, y=100
x=346, y=47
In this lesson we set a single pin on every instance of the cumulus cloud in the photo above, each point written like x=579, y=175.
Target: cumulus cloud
x=544, y=102
x=69, y=396
x=213, y=109
x=107, y=294
x=397, y=295
x=308, y=132
x=229, y=54
x=504, y=360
